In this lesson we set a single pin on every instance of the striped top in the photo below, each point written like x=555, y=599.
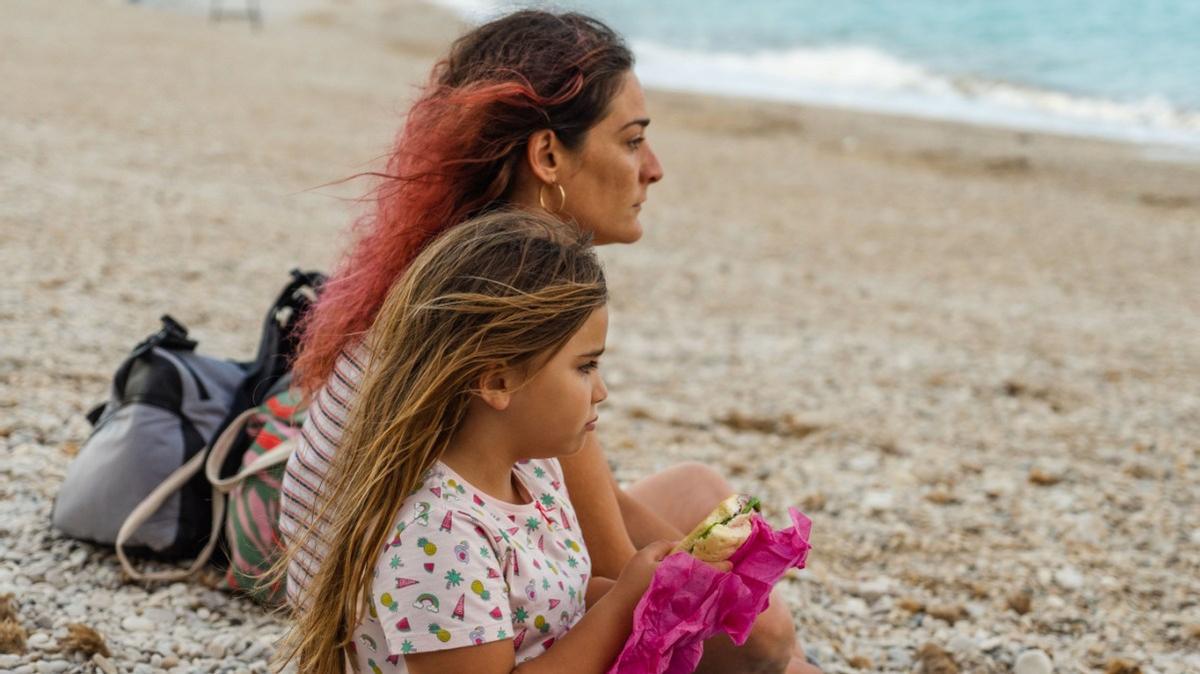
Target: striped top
x=320, y=438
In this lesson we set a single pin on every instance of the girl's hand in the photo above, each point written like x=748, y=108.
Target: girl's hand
x=639, y=570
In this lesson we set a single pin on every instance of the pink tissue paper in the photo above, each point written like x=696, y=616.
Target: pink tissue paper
x=689, y=601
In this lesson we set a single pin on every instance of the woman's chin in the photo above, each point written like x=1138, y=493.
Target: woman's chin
x=629, y=234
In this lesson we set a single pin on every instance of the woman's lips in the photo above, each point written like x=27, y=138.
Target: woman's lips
x=591, y=425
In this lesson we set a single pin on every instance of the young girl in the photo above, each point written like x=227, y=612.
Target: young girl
x=452, y=543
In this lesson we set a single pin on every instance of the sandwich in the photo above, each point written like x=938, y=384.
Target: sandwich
x=724, y=530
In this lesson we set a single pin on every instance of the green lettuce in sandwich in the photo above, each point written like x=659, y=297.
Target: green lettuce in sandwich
x=724, y=530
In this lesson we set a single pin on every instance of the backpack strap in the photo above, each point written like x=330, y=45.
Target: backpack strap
x=229, y=437
x=152, y=503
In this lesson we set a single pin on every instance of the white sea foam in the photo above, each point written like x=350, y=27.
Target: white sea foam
x=866, y=78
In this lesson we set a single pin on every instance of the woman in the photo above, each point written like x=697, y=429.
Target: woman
x=540, y=111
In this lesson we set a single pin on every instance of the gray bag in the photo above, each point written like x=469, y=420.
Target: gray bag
x=139, y=482
x=166, y=403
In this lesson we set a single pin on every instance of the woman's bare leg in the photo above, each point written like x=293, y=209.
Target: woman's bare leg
x=683, y=495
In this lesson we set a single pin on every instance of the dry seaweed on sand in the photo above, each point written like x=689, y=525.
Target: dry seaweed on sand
x=83, y=639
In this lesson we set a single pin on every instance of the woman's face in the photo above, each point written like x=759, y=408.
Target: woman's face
x=607, y=177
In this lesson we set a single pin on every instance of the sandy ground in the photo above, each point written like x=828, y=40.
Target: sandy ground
x=972, y=356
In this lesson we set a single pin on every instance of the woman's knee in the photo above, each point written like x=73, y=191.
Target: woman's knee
x=772, y=641
x=703, y=479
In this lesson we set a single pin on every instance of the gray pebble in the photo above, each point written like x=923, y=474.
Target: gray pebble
x=1033, y=662
x=137, y=624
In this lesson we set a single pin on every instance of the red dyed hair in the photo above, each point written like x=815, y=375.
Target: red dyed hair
x=458, y=153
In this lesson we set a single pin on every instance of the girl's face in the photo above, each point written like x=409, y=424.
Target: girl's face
x=607, y=177
x=554, y=411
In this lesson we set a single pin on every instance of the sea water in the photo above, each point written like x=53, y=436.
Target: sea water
x=1127, y=69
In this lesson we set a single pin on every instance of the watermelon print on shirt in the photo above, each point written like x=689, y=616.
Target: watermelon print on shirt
x=463, y=568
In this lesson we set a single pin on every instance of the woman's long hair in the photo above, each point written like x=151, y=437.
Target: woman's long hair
x=504, y=289
x=458, y=153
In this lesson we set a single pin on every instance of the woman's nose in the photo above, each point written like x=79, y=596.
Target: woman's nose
x=652, y=170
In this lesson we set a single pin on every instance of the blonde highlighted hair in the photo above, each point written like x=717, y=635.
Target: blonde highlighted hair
x=499, y=290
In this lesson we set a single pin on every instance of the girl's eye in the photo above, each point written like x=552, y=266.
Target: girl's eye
x=636, y=142
x=589, y=367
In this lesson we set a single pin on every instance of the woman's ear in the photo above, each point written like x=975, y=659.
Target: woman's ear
x=541, y=153
x=496, y=387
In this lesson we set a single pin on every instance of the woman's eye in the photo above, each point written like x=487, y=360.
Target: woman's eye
x=587, y=368
x=636, y=142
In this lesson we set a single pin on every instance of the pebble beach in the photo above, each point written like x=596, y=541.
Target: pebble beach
x=971, y=355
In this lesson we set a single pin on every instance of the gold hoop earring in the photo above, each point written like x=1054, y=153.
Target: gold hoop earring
x=562, y=198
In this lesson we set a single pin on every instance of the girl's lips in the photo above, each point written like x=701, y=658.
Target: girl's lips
x=591, y=425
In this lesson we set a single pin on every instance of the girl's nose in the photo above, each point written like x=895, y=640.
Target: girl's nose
x=599, y=391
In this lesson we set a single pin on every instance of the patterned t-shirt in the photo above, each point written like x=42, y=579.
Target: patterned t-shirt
x=464, y=569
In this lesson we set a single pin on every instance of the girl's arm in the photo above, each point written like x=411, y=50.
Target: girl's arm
x=590, y=646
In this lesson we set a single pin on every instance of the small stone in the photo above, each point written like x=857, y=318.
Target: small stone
x=815, y=502
x=40, y=641
x=8, y=661
x=1033, y=662
x=911, y=604
x=137, y=624
x=877, y=501
x=951, y=613
x=961, y=644
x=52, y=666
x=169, y=661
x=1021, y=601
x=1068, y=578
x=853, y=606
x=215, y=650
x=931, y=659
x=859, y=662
x=1043, y=479
x=873, y=589
x=899, y=658
x=941, y=497
x=1122, y=666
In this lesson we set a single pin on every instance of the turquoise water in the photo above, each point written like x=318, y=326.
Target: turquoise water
x=1109, y=67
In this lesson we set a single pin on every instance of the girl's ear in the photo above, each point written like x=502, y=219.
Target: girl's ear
x=542, y=155
x=496, y=387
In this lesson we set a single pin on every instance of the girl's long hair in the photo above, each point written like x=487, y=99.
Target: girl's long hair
x=504, y=289
x=458, y=154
